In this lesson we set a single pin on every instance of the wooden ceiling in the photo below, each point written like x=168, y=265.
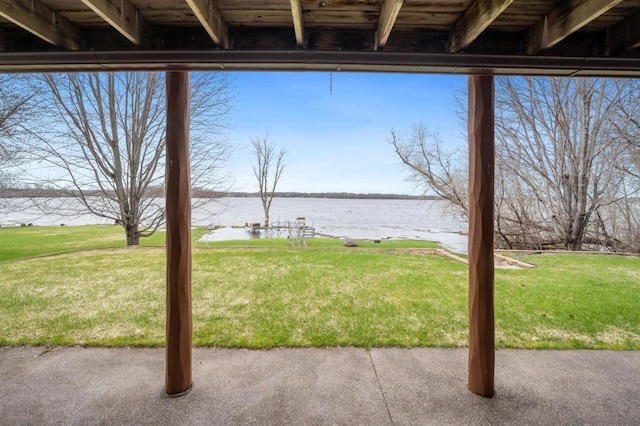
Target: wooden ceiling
x=496, y=36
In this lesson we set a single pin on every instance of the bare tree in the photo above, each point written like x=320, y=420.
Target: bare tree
x=619, y=223
x=628, y=127
x=267, y=169
x=558, y=138
x=16, y=104
x=432, y=166
x=108, y=148
x=561, y=161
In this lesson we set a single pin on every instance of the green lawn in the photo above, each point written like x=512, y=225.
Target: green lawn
x=570, y=300
x=259, y=297
x=22, y=242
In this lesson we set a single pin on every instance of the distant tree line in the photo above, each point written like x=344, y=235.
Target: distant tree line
x=197, y=192
x=337, y=195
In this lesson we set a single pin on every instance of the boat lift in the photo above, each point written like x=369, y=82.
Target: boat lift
x=299, y=231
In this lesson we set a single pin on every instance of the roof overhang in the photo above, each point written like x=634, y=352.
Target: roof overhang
x=542, y=37
x=304, y=60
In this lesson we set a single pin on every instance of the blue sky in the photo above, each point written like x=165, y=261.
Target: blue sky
x=337, y=140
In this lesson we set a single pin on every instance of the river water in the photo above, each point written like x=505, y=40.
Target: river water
x=347, y=218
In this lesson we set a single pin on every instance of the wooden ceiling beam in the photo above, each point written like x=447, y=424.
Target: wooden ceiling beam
x=474, y=21
x=623, y=36
x=125, y=18
x=212, y=20
x=38, y=19
x=564, y=20
x=387, y=19
x=4, y=40
x=298, y=22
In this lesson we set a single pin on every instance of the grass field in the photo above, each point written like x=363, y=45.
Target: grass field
x=259, y=297
x=22, y=242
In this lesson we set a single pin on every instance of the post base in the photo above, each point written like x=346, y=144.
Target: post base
x=177, y=394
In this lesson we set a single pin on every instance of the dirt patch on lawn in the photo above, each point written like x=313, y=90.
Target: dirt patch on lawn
x=500, y=261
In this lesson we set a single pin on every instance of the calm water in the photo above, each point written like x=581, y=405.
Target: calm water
x=359, y=219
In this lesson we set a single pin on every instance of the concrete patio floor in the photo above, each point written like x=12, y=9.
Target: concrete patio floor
x=342, y=386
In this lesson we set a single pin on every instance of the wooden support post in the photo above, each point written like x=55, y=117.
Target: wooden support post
x=178, y=211
x=481, y=199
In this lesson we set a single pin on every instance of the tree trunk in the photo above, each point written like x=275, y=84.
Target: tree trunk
x=133, y=235
x=577, y=233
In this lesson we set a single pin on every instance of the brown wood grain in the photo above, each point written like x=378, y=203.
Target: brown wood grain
x=623, y=36
x=468, y=23
x=386, y=21
x=478, y=16
x=298, y=22
x=124, y=18
x=481, y=267
x=43, y=22
x=212, y=20
x=564, y=20
x=178, y=211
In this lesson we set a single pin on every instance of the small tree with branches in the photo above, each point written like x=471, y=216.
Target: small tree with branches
x=268, y=167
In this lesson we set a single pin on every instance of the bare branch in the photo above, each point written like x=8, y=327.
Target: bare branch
x=437, y=169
